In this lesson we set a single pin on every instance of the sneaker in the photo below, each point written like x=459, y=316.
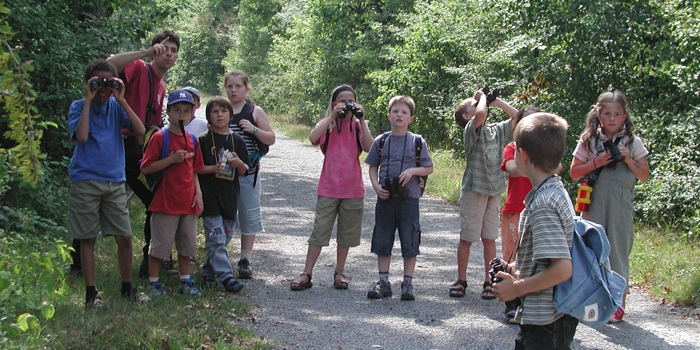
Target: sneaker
x=407, y=291
x=137, y=296
x=617, y=316
x=245, y=269
x=379, y=290
x=187, y=287
x=232, y=286
x=96, y=303
x=156, y=290
x=143, y=268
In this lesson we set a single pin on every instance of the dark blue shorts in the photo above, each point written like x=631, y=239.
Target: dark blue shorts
x=391, y=214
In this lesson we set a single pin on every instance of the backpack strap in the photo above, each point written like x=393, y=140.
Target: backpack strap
x=419, y=147
x=324, y=147
x=150, y=106
x=382, y=141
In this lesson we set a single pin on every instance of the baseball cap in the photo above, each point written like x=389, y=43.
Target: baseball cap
x=193, y=91
x=180, y=96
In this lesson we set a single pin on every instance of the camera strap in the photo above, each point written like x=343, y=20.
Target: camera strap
x=150, y=106
x=593, y=176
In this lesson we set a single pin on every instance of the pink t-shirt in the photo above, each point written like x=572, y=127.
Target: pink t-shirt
x=341, y=176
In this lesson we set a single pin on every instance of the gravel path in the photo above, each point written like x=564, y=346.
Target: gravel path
x=325, y=318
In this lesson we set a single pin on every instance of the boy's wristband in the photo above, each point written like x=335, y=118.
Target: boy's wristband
x=255, y=132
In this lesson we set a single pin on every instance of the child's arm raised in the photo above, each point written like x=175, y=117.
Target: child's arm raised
x=136, y=124
x=506, y=107
x=481, y=109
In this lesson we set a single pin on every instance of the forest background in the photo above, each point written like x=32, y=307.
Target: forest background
x=558, y=55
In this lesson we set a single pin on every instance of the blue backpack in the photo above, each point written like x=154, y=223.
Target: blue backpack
x=152, y=180
x=594, y=291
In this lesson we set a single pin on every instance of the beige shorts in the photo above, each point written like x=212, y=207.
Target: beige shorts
x=478, y=216
x=349, y=212
x=95, y=205
x=166, y=229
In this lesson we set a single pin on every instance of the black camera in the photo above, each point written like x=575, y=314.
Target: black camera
x=394, y=187
x=611, y=146
x=490, y=95
x=104, y=82
x=497, y=266
x=351, y=107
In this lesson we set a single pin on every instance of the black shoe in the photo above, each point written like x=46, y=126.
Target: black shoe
x=232, y=286
x=245, y=269
x=143, y=268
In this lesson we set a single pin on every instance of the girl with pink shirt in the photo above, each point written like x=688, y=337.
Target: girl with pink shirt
x=342, y=135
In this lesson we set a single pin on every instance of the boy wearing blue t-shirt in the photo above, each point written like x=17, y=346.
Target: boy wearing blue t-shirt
x=97, y=197
x=395, y=178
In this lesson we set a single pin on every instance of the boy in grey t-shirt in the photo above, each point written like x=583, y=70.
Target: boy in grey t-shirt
x=395, y=178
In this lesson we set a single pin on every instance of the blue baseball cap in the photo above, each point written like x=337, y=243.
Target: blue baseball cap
x=193, y=91
x=178, y=96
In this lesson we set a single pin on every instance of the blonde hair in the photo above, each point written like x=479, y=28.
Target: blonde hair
x=543, y=137
x=334, y=94
x=460, y=109
x=407, y=100
x=593, y=123
x=246, y=81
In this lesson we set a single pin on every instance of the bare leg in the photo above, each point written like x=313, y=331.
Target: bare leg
x=409, y=266
x=124, y=255
x=489, y=254
x=384, y=263
x=247, y=242
x=184, y=263
x=342, y=256
x=463, y=250
x=87, y=259
x=312, y=255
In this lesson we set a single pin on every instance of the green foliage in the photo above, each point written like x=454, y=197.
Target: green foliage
x=31, y=283
x=678, y=278
x=206, y=30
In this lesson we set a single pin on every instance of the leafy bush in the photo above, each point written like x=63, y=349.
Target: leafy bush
x=31, y=282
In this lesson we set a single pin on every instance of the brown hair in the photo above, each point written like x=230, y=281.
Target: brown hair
x=218, y=101
x=543, y=137
x=593, y=123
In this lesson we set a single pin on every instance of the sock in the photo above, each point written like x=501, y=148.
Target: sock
x=408, y=279
x=246, y=253
x=126, y=289
x=383, y=277
x=90, y=293
x=152, y=280
x=183, y=278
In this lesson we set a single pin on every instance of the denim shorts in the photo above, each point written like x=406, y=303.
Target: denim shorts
x=396, y=213
x=249, y=215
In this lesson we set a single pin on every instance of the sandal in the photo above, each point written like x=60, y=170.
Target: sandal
x=458, y=288
x=339, y=283
x=487, y=292
x=299, y=285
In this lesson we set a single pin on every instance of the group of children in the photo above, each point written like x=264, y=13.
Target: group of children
x=200, y=168
x=213, y=172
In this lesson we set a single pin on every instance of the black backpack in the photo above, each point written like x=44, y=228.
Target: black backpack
x=247, y=113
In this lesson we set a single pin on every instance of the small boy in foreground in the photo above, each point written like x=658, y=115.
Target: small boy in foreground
x=546, y=231
x=177, y=201
x=395, y=178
